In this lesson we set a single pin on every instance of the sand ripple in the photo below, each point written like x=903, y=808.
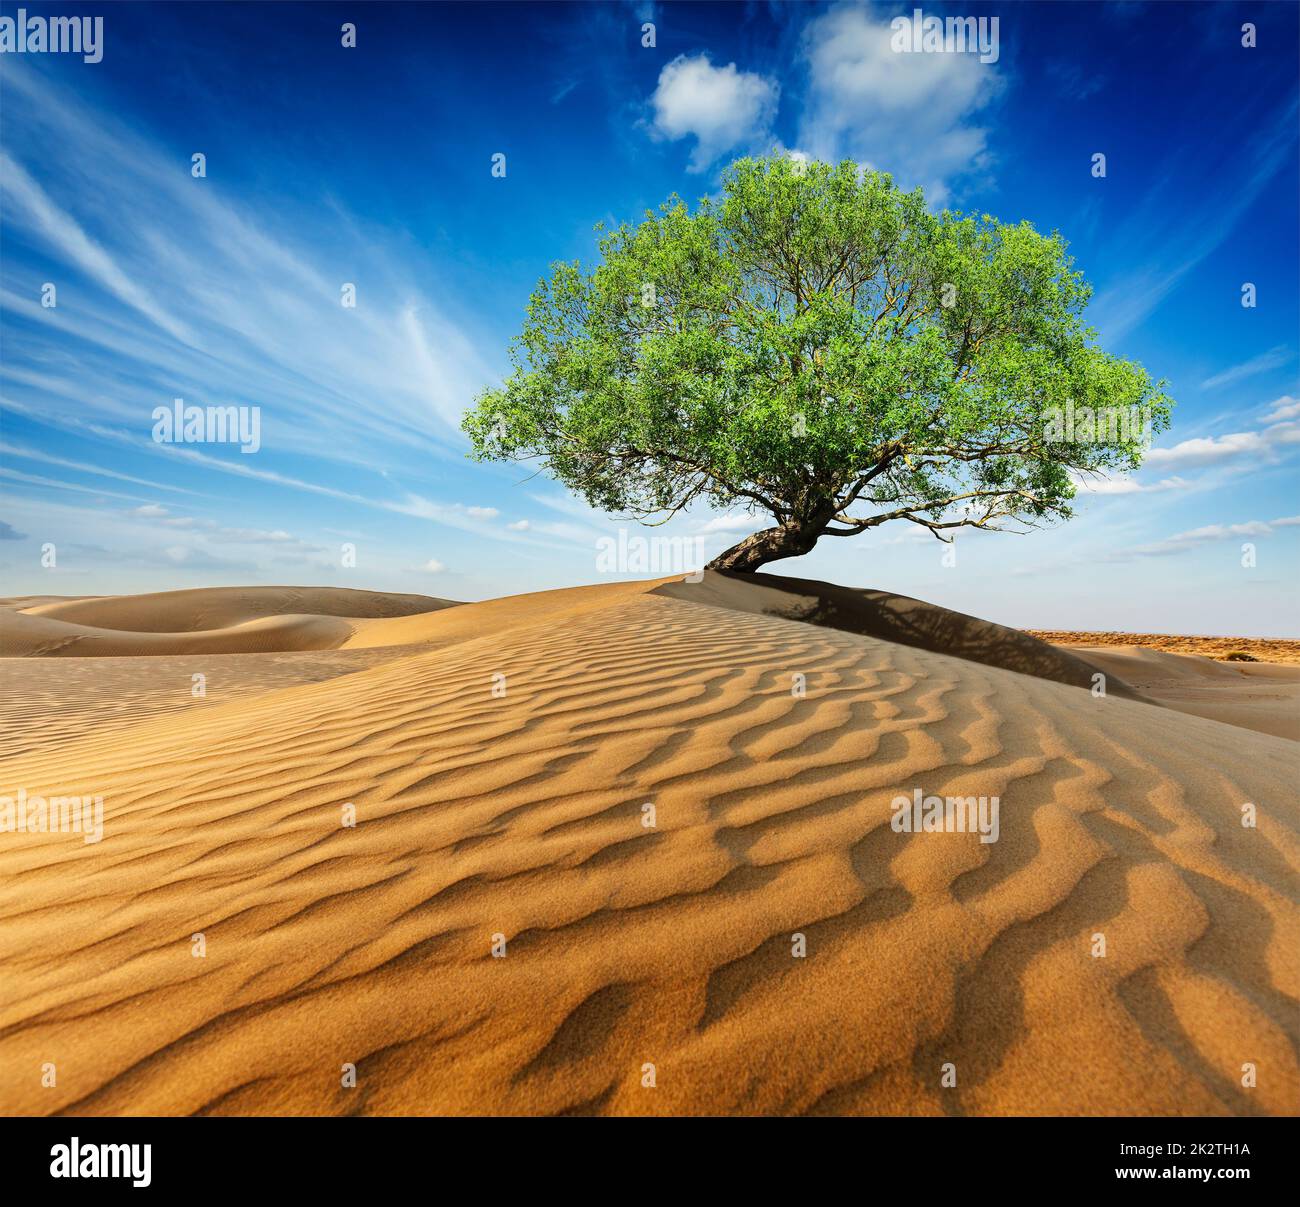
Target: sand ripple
x=627, y=946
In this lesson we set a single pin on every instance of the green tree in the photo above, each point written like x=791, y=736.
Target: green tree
x=817, y=347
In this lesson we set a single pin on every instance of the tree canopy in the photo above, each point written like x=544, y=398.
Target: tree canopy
x=818, y=347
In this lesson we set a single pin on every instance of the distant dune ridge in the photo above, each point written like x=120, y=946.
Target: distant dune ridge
x=500, y=757
x=1255, y=649
x=210, y=620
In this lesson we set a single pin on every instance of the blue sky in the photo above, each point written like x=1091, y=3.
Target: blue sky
x=372, y=165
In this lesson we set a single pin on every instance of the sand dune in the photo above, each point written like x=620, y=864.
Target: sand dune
x=31, y=601
x=213, y=620
x=208, y=608
x=1260, y=696
x=522, y=814
x=449, y=626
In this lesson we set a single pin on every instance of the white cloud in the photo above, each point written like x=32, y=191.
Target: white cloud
x=734, y=522
x=519, y=526
x=1215, y=532
x=277, y=541
x=914, y=115
x=1127, y=485
x=1282, y=409
x=434, y=566
x=721, y=106
x=253, y=534
x=1215, y=450
x=1266, y=445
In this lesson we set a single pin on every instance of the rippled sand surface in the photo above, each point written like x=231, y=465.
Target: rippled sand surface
x=500, y=758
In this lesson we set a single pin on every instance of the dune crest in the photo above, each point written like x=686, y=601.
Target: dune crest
x=206, y=608
x=500, y=782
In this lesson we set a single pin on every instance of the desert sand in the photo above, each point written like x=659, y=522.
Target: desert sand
x=217, y=620
x=1256, y=649
x=1263, y=696
x=500, y=757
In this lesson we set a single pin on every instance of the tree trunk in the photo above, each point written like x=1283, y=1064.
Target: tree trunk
x=770, y=545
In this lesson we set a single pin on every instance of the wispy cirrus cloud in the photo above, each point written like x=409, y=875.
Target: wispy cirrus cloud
x=244, y=300
x=1163, y=250
x=1126, y=485
x=1275, y=358
x=24, y=453
x=29, y=204
x=62, y=484
x=1208, y=533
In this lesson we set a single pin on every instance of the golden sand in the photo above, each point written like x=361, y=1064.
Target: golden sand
x=770, y=727
x=1257, y=649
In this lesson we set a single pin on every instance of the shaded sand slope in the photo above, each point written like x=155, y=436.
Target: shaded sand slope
x=211, y=620
x=522, y=815
x=894, y=618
